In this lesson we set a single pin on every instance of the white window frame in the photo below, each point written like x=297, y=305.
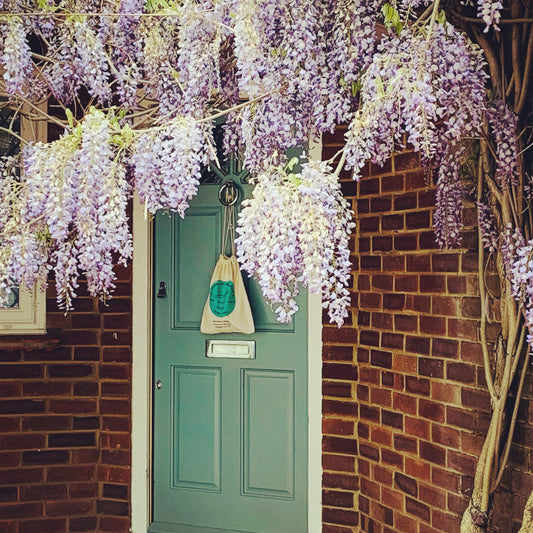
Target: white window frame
x=29, y=318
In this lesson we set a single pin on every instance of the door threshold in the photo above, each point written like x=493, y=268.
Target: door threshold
x=166, y=527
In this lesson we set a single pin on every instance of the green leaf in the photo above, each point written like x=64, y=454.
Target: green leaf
x=392, y=18
x=70, y=118
x=292, y=163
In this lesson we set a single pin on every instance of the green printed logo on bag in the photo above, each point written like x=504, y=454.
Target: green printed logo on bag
x=222, y=298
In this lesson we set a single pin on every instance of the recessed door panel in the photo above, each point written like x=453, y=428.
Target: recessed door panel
x=268, y=457
x=196, y=419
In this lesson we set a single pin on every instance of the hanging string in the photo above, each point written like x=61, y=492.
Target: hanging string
x=228, y=229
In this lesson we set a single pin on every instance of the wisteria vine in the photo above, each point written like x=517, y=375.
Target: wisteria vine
x=138, y=84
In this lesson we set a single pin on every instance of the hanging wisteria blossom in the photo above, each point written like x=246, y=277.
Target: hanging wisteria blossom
x=295, y=230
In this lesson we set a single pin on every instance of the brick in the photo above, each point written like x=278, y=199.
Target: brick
x=406, y=283
x=339, y=463
x=340, y=481
x=21, y=510
x=417, y=469
x=431, y=495
x=381, y=513
x=392, y=340
x=417, y=427
x=431, y=410
x=73, y=370
x=368, y=451
x=382, y=475
x=114, y=524
x=392, y=458
x=21, y=441
x=392, y=419
x=381, y=397
x=445, y=521
x=70, y=473
x=446, y=436
x=418, y=263
x=45, y=457
x=370, y=300
x=86, y=388
x=430, y=367
x=476, y=399
x=461, y=372
x=340, y=516
x=46, y=388
x=432, y=283
x=392, y=183
x=417, y=385
x=82, y=524
x=85, y=353
x=73, y=406
x=367, y=412
x=368, y=186
x=406, y=484
x=370, y=262
x=394, y=263
x=404, y=403
x=392, y=222
x=432, y=453
x=370, y=489
x=8, y=494
x=445, y=479
x=394, y=301
x=404, y=524
x=463, y=328
x=418, y=509
x=339, y=445
x=336, y=389
x=406, y=161
x=116, y=354
x=331, y=407
x=465, y=464
x=10, y=389
x=405, y=444
x=460, y=418
x=381, y=359
x=7, y=356
x=382, y=320
x=417, y=220
x=339, y=371
x=445, y=348
x=21, y=475
x=404, y=243
x=344, y=335
x=405, y=201
x=43, y=492
x=369, y=338
x=338, y=353
x=417, y=345
x=21, y=371
x=407, y=323
x=21, y=406
x=71, y=440
x=381, y=435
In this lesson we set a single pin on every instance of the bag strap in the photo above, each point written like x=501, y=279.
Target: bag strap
x=228, y=229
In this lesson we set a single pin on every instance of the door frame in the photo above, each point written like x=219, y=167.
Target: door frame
x=141, y=401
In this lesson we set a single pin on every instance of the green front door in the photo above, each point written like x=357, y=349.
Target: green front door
x=229, y=434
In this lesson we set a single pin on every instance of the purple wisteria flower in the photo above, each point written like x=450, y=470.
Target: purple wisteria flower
x=295, y=230
x=503, y=125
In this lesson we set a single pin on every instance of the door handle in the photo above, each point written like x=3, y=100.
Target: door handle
x=158, y=384
x=162, y=292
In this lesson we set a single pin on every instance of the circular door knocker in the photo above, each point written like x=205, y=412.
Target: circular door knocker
x=228, y=193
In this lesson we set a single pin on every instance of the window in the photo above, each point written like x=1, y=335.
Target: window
x=25, y=312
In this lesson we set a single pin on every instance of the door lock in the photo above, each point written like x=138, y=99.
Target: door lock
x=158, y=384
x=162, y=292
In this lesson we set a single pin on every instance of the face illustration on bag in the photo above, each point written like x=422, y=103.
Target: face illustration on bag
x=222, y=298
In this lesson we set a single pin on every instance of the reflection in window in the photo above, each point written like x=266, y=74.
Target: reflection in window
x=9, y=146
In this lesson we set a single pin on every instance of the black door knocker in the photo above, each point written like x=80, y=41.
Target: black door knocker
x=228, y=193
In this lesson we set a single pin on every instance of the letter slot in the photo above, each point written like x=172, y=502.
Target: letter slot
x=216, y=349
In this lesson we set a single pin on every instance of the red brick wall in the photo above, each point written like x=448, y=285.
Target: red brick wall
x=65, y=421
x=405, y=406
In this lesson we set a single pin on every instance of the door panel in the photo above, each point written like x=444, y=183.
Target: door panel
x=230, y=435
